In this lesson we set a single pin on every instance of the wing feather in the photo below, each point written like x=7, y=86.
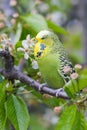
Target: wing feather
x=64, y=61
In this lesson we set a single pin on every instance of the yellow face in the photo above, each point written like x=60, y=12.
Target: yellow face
x=44, y=44
x=40, y=49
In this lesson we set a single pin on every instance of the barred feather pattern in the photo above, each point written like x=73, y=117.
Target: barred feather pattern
x=64, y=61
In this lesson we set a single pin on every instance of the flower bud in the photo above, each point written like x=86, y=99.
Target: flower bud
x=57, y=109
x=47, y=96
x=13, y=3
x=78, y=67
x=74, y=75
x=67, y=69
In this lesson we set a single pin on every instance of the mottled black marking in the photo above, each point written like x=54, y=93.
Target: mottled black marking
x=42, y=46
x=67, y=79
x=65, y=75
x=70, y=65
x=39, y=54
x=73, y=71
x=64, y=62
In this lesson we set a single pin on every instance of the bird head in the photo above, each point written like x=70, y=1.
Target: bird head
x=45, y=40
x=45, y=37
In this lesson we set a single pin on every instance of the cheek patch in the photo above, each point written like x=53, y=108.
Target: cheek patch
x=41, y=50
x=42, y=46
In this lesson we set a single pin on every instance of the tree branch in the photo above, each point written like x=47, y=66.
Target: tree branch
x=11, y=73
x=21, y=65
x=9, y=64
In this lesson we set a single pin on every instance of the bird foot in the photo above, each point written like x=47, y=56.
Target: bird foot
x=42, y=86
x=58, y=91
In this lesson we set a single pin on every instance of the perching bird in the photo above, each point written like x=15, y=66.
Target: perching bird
x=52, y=58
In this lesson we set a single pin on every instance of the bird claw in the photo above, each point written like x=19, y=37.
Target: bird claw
x=58, y=91
x=42, y=86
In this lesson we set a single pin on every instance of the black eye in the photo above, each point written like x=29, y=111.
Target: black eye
x=43, y=38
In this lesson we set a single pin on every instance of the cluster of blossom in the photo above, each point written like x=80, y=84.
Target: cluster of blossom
x=27, y=48
x=5, y=42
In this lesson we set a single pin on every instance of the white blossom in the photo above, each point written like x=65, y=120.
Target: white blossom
x=27, y=47
x=34, y=64
x=26, y=56
x=25, y=44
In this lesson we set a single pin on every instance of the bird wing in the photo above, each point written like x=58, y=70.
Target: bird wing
x=64, y=61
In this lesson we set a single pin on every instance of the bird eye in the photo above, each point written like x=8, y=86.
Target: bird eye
x=43, y=38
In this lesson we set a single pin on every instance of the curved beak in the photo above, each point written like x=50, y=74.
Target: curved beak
x=38, y=39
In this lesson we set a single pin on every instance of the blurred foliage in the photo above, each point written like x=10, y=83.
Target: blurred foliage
x=29, y=17
x=75, y=121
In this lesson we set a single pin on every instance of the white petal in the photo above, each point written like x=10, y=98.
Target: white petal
x=25, y=44
x=20, y=49
x=26, y=56
x=34, y=64
x=7, y=85
x=28, y=37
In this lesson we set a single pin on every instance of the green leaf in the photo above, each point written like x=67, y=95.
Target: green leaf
x=2, y=105
x=35, y=22
x=67, y=119
x=56, y=28
x=82, y=81
x=7, y=124
x=84, y=72
x=71, y=119
x=80, y=122
x=1, y=79
x=18, y=54
x=18, y=32
x=17, y=112
x=75, y=86
x=71, y=88
x=18, y=44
